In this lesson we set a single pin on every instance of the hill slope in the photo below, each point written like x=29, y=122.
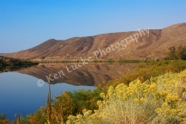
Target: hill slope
x=132, y=45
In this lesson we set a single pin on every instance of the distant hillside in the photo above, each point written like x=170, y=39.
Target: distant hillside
x=9, y=64
x=152, y=44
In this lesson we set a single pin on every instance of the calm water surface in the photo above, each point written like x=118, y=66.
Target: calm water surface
x=20, y=92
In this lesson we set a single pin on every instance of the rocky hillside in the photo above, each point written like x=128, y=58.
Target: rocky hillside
x=125, y=45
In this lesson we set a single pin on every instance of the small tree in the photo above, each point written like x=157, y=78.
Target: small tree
x=181, y=52
x=172, y=53
x=177, y=53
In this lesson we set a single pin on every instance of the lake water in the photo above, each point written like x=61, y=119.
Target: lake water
x=25, y=91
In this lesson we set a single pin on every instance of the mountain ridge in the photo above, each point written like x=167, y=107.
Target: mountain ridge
x=147, y=47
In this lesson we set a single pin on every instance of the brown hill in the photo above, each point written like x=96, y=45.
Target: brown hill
x=149, y=44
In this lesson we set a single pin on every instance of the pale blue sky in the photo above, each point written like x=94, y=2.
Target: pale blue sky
x=27, y=23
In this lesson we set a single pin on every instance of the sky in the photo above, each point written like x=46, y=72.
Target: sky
x=27, y=23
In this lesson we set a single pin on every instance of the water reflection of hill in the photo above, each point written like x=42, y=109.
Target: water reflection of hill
x=89, y=75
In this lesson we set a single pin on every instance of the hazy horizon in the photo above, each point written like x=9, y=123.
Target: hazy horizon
x=25, y=24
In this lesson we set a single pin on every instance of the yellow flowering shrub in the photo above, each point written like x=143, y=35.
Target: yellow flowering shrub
x=158, y=100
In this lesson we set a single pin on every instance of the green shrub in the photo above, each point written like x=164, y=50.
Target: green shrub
x=39, y=117
x=66, y=104
x=177, y=53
